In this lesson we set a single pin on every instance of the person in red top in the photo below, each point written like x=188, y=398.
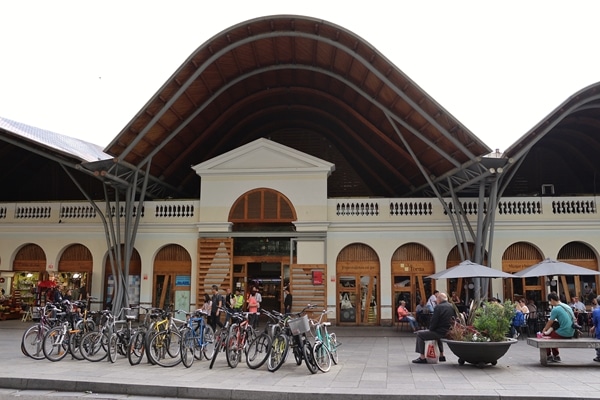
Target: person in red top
x=252, y=310
x=405, y=315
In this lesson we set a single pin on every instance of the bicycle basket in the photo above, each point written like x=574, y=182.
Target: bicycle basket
x=299, y=325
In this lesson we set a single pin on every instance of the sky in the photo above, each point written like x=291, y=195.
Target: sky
x=86, y=68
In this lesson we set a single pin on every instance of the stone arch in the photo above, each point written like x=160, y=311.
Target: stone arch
x=585, y=286
x=172, y=274
x=515, y=258
x=411, y=264
x=358, y=277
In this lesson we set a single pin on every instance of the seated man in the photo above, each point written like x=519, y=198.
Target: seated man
x=438, y=328
x=579, y=310
x=406, y=316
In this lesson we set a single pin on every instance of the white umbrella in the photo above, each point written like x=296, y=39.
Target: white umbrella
x=550, y=267
x=469, y=269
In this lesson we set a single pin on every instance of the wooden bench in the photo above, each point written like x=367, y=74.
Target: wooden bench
x=543, y=344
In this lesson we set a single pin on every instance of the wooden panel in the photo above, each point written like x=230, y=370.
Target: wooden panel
x=215, y=265
x=302, y=288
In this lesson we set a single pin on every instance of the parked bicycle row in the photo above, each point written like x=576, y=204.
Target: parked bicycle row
x=69, y=328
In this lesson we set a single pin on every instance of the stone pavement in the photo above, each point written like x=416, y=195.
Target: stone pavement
x=374, y=364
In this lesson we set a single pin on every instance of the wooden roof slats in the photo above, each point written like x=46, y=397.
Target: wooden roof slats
x=255, y=57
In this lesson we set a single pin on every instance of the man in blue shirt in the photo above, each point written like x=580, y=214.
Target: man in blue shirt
x=596, y=328
x=562, y=314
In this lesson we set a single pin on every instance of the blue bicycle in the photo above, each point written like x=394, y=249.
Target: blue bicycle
x=197, y=338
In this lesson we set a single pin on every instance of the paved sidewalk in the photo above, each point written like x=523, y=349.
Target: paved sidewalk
x=374, y=363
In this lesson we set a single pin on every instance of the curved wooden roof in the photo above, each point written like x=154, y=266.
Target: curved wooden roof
x=562, y=150
x=307, y=84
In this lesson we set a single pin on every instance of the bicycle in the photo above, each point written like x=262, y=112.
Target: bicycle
x=33, y=338
x=221, y=338
x=58, y=340
x=139, y=342
x=240, y=334
x=94, y=345
x=259, y=349
x=197, y=338
x=119, y=341
x=323, y=343
x=83, y=325
x=293, y=335
x=164, y=342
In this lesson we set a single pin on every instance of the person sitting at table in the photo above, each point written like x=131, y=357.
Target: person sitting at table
x=406, y=316
x=579, y=309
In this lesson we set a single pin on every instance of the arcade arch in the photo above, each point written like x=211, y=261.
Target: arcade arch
x=585, y=286
x=463, y=287
x=357, y=273
x=172, y=277
x=517, y=257
x=411, y=264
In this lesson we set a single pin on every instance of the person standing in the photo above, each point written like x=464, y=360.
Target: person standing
x=217, y=303
x=562, y=314
x=228, y=303
x=238, y=300
x=432, y=301
x=287, y=301
x=595, y=329
x=439, y=326
x=252, y=309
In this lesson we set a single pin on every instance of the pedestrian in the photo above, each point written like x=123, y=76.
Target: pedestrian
x=595, y=329
x=216, y=304
x=228, y=304
x=287, y=301
x=207, y=306
x=238, y=300
x=252, y=309
x=432, y=301
x=559, y=325
x=438, y=328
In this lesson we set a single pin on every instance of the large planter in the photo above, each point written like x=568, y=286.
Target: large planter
x=479, y=353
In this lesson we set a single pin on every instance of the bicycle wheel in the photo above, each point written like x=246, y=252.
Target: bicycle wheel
x=75, y=343
x=258, y=351
x=219, y=345
x=32, y=342
x=233, y=353
x=332, y=346
x=56, y=344
x=113, y=347
x=94, y=346
x=309, y=358
x=137, y=348
x=208, y=342
x=297, y=350
x=279, y=349
x=164, y=348
x=322, y=357
x=188, y=345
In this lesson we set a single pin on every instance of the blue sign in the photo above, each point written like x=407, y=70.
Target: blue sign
x=183, y=280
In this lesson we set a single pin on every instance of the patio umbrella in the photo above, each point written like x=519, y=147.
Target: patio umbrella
x=550, y=267
x=469, y=269
x=46, y=284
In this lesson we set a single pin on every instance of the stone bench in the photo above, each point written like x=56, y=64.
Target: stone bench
x=543, y=344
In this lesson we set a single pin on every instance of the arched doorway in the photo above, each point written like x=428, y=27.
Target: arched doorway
x=517, y=257
x=463, y=287
x=75, y=269
x=30, y=269
x=585, y=287
x=411, y=264
x=172, y=277
x=133, y=280
x=357, y=271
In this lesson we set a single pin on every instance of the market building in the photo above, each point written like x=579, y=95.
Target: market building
x=287, y=151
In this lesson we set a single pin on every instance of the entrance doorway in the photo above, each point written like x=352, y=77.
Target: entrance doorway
x=266, y=277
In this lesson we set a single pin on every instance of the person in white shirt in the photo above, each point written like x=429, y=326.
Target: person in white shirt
x=432, y=302
x=576, y=304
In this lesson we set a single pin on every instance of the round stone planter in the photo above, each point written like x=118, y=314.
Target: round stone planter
x=479, y=353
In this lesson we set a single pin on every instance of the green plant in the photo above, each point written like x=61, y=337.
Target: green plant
x=489, y=322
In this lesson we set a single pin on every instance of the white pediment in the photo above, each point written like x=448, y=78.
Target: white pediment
x=263, y=156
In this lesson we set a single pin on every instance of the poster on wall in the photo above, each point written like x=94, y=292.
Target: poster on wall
x=182, y=300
